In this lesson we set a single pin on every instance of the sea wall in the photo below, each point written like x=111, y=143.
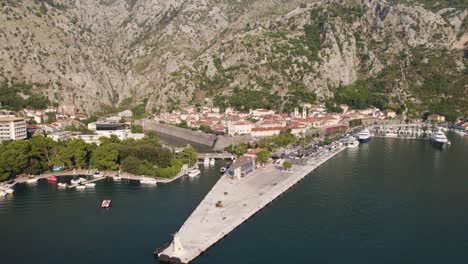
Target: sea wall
x=177, y=132
x=224, y=141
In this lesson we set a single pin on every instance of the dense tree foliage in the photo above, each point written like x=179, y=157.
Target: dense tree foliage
x=287, y=165
x=360, y=95
x=278, y=141
x=263, y=156
x=137, y=129
x=142, y=157
x=206, y=128
x=10, y=97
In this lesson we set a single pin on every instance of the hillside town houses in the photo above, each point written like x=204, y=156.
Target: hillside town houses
x=264, y=122
x=54, y=122
x=258, y=123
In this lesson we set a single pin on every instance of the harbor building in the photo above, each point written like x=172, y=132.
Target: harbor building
x=436, y=118
x=242, y=166
x=12, y=128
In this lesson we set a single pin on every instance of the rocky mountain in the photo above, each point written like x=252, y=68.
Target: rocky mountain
x=98, y=54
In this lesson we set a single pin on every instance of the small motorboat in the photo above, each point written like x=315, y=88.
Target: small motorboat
x=52, y=179
x=9, y=191
x=98, y=174
x=62, y=184
x=31, y=181
x=206, y=160
x=80, y=187
x=2, y=193
x=150, y=181
x=90, y=184
x=106, y=204
x=117, y=177
x=194, y=173
x=75, y=181
x=212, y=161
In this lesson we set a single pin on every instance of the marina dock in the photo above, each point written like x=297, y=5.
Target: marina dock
x=230, y=203
x=105, y=175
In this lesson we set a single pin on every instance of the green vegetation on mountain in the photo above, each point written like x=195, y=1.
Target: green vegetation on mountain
x=19, y=95
x=436, y=5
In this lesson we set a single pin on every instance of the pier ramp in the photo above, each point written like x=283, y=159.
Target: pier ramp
x=231, y=202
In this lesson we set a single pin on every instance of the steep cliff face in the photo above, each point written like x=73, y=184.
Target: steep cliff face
x=172, y=52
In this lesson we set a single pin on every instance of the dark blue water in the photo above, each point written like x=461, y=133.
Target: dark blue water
x=390, y=201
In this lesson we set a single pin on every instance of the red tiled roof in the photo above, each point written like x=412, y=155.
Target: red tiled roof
x=253, y=152
x=241, y=161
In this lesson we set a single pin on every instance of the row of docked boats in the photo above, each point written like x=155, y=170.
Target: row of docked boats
x=208, y=161
x=6, y=189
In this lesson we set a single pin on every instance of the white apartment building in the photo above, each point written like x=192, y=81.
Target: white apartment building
x=12, y=128
x=239, y=128
x=61, y=135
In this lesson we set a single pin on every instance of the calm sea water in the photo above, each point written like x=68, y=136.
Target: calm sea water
x=390, y=201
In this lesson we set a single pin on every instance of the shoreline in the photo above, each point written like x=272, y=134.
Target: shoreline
x=104, y=175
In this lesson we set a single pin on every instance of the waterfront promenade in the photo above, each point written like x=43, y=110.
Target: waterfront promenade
x=230, y=203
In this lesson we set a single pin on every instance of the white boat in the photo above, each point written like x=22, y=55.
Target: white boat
x=149, y=181
x=9, y=191
x=61, y=184
x=212, y=161
x=31, y=181
x=352, y=143
x=222, y=170
x=391, y=133
x=98, y=174
x=117, y=177
x=194, y=173
x=106, y=203
x=80, y=187
x=90, y=184
x=439, y=139
x=75, y=181
x=2, y=193
x=206, y=160
x=364, y=136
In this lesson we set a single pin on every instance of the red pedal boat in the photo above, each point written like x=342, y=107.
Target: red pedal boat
x=106, y=204
x=51, y=179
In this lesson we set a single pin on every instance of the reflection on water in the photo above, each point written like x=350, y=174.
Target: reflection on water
x=389, y=201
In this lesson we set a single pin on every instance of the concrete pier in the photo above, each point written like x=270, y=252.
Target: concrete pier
x=231, y=202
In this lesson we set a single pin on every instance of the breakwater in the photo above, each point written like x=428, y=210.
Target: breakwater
x=230, y=203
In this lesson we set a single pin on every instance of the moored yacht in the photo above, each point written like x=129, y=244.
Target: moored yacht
x=391, y=133
x=31, y=181
x=364, y=136
x=352, y=143
x=212, y=161
x=194, y=173
x=150, y=181
x=439, y=139
x=206, y=160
